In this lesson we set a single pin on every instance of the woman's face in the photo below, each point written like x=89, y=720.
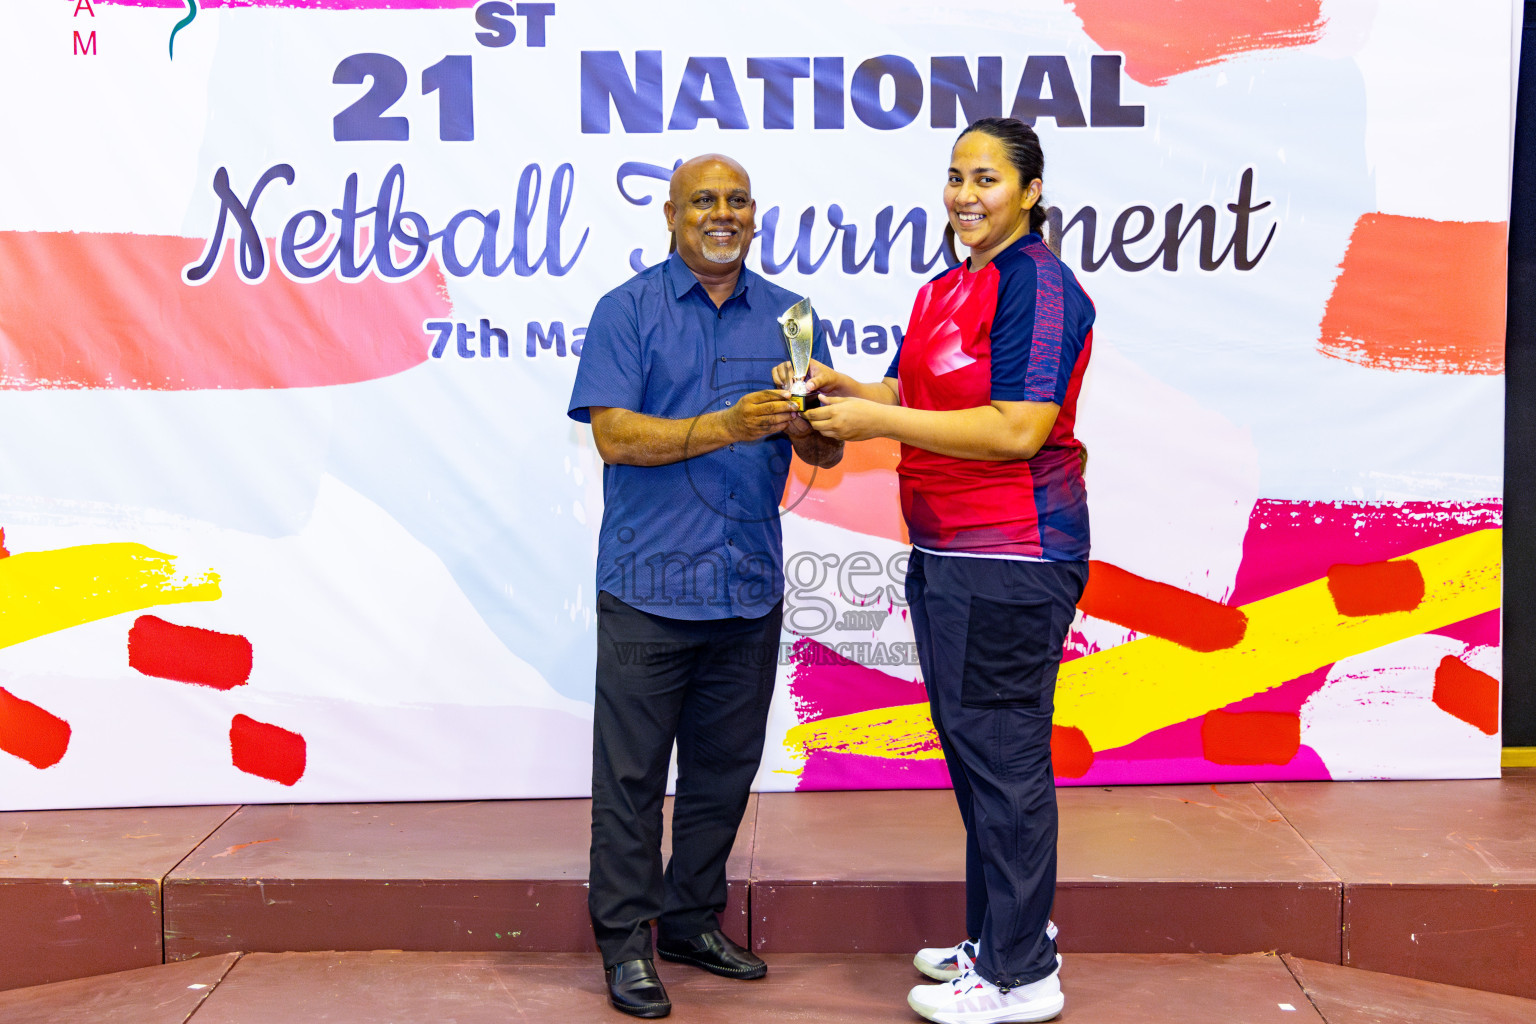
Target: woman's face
x=987, y=203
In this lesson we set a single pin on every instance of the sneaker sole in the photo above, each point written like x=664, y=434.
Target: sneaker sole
x=937, y=973
x=928, y=970
x=1027, y=1014
x=743, y=974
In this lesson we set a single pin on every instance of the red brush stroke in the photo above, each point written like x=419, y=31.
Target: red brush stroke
x=1250, y=737
x=1163, y=38
x=3, y=552
x=1161, y=610
x=188, y=654
x=1470, y=695
x=268, y=751
x=860, y=493
x=1071, y=753
x=1376, y=588
x=1417, y=294
x=38, y=737
x=1176, y=755
x=111, y=311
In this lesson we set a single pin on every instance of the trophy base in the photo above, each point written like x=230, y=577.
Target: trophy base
x=804, y=402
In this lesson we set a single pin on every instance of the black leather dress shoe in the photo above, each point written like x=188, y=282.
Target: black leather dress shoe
x=716, y=954
x=634, y=988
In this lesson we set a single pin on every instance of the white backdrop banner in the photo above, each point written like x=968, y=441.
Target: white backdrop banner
x=293, y=292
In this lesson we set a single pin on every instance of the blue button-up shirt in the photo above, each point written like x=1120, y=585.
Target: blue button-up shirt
x=700, y=538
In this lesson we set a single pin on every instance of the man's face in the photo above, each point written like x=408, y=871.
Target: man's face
x=711, y=214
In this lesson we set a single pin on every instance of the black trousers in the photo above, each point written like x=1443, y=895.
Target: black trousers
x=989, y=637
x=706, y=685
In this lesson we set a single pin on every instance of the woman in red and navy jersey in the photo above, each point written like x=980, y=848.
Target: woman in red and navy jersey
x=982, y=395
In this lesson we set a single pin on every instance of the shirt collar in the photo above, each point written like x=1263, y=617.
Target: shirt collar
x=1016, y=250
x=683, y=281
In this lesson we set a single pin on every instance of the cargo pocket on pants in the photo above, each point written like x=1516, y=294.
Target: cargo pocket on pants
x=1007, y=654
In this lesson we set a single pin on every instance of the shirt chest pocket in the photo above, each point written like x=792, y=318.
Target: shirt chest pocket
x=745, y=358
x=736, y=376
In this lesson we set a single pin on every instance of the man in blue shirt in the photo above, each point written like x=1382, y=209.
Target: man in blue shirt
x=675, y=378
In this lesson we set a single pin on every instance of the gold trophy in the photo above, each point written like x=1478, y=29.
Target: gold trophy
x=798, y=325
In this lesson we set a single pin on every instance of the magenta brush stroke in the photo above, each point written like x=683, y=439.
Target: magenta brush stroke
x=310, y=5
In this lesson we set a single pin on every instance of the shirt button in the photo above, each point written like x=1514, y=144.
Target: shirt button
x=722, y=359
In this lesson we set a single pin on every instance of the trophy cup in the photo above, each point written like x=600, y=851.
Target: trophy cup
x=798, y=325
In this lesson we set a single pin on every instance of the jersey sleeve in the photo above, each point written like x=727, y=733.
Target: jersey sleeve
x=610, y=374
x=1032, y=351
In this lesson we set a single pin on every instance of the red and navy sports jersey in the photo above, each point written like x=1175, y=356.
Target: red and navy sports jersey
x=1019, y=329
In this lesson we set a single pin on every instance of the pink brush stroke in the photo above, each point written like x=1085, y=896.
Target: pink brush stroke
x=826, y=769
x=310, y=5
x=1290, y=543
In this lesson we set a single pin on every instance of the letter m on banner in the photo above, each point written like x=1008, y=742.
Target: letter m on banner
x=86, y=46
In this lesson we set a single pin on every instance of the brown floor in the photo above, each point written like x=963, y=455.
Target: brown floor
x=1190, y=869
x=492, y=988
x=385, y=876
x=80, y=890
x=1153, y=869
x=873, y=872
x=1346, y=995
x=1439, y=877
x=1107, y=988
x=1435, y=880
x=162, y=994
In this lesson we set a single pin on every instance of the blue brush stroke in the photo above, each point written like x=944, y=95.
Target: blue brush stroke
x=183, y=23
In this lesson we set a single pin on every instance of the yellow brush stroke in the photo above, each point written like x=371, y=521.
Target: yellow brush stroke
x=1119, y=695
x=46, y=591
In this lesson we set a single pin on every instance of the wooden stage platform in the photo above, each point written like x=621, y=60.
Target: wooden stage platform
x=801, y=988
x=1426, y=880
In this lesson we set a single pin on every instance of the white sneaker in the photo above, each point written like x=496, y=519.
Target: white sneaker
x=972, y=999
x=946, y=963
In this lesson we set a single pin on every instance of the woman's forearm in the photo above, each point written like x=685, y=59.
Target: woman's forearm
x=885, y=392
x=999, y=432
